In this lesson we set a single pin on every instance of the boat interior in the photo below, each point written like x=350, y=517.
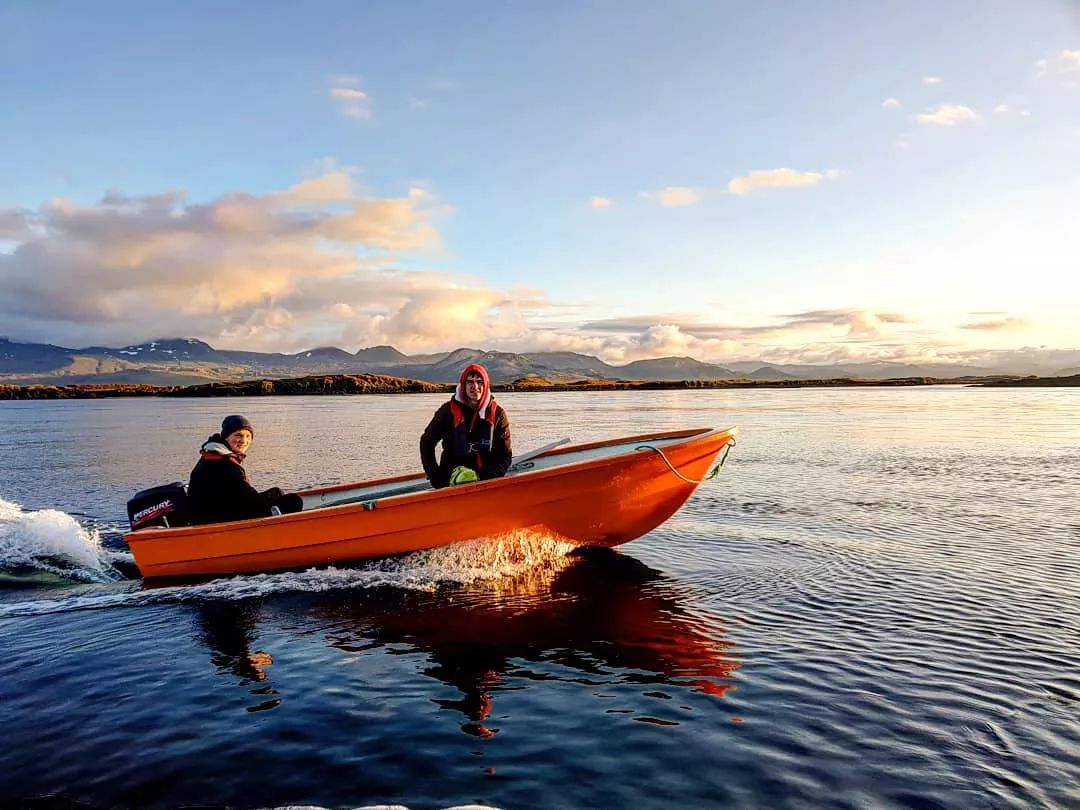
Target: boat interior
x=543, y=458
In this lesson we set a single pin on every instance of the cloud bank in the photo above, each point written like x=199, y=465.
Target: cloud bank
x=314, y=263
x=324, y=263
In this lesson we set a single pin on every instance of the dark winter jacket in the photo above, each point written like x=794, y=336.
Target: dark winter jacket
x=219, y=489
x=480, y=442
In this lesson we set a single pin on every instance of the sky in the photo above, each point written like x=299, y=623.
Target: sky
x=783, y=181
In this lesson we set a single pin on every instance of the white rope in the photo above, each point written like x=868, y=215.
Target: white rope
x=712, y=473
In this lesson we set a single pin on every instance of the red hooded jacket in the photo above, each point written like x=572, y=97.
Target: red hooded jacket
x=474, y=437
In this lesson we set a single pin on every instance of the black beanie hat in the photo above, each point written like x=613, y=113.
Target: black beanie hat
x=231, y=424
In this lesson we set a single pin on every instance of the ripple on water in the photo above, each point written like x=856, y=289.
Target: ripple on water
x=876, y=603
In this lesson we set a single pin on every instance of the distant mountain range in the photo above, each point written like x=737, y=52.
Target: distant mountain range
x=186, y=361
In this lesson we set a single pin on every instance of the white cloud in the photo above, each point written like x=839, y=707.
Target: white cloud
x=332, y=186
x=257, y=270
x=659, y=339
x=947, y=115
x=777, y=178
x=352, y=101
x=858, y=322
x=891, y=103
x=349, y=94
x=999, y=325
x=1005, y=109
x=931, y=80
x=673, y=196
x=437, y=313
x=1065, y=66
x=600, y=202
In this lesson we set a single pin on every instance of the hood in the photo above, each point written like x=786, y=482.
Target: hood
x=215, y=448
x=485, y=396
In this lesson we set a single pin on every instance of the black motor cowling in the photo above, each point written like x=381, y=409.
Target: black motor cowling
x=166, y=506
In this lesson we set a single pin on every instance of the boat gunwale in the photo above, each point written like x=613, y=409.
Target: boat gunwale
x=558, y=451
x=407, y=498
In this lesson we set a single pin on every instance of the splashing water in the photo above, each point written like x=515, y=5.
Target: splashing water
x=485, y=559
x=491, y=558
x=52, y=541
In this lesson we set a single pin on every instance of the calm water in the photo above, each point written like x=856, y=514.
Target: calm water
x=876, y=603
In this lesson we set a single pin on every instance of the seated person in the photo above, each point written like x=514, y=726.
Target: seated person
x=474, y=431
x=219, y=489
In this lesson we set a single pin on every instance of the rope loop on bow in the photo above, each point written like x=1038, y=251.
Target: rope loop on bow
x=712, y=473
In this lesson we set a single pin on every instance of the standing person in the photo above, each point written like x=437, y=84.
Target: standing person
x=474, y=431
x=219, y=489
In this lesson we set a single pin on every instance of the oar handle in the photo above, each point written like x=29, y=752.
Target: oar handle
x=539, y=451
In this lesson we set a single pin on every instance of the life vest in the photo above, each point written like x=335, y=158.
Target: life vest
x=467, y=440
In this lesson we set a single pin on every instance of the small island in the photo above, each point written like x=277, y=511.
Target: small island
x=1034, y=382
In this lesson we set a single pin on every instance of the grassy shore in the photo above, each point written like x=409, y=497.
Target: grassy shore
x=322, y=384
x=1035, y=382
x=341, y=384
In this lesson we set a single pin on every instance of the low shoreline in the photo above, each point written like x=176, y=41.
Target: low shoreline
x=349, y=384
x=1035, y=382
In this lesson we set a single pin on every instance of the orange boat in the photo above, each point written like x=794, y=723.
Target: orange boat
x=601, y=493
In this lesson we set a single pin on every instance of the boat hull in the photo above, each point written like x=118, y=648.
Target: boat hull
x=602, y=501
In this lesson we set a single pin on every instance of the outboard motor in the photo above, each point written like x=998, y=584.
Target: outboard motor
x=165, y=506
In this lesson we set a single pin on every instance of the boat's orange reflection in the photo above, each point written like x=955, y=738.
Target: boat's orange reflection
x=605, y=617
x=598, y=618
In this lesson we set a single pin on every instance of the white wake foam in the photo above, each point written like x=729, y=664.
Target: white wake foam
x=484, y=559
x=493, y=558
x=53, y=541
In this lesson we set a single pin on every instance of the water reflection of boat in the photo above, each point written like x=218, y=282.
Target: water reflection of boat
x=229, y=629
x=603, y=493
x=604, y=619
